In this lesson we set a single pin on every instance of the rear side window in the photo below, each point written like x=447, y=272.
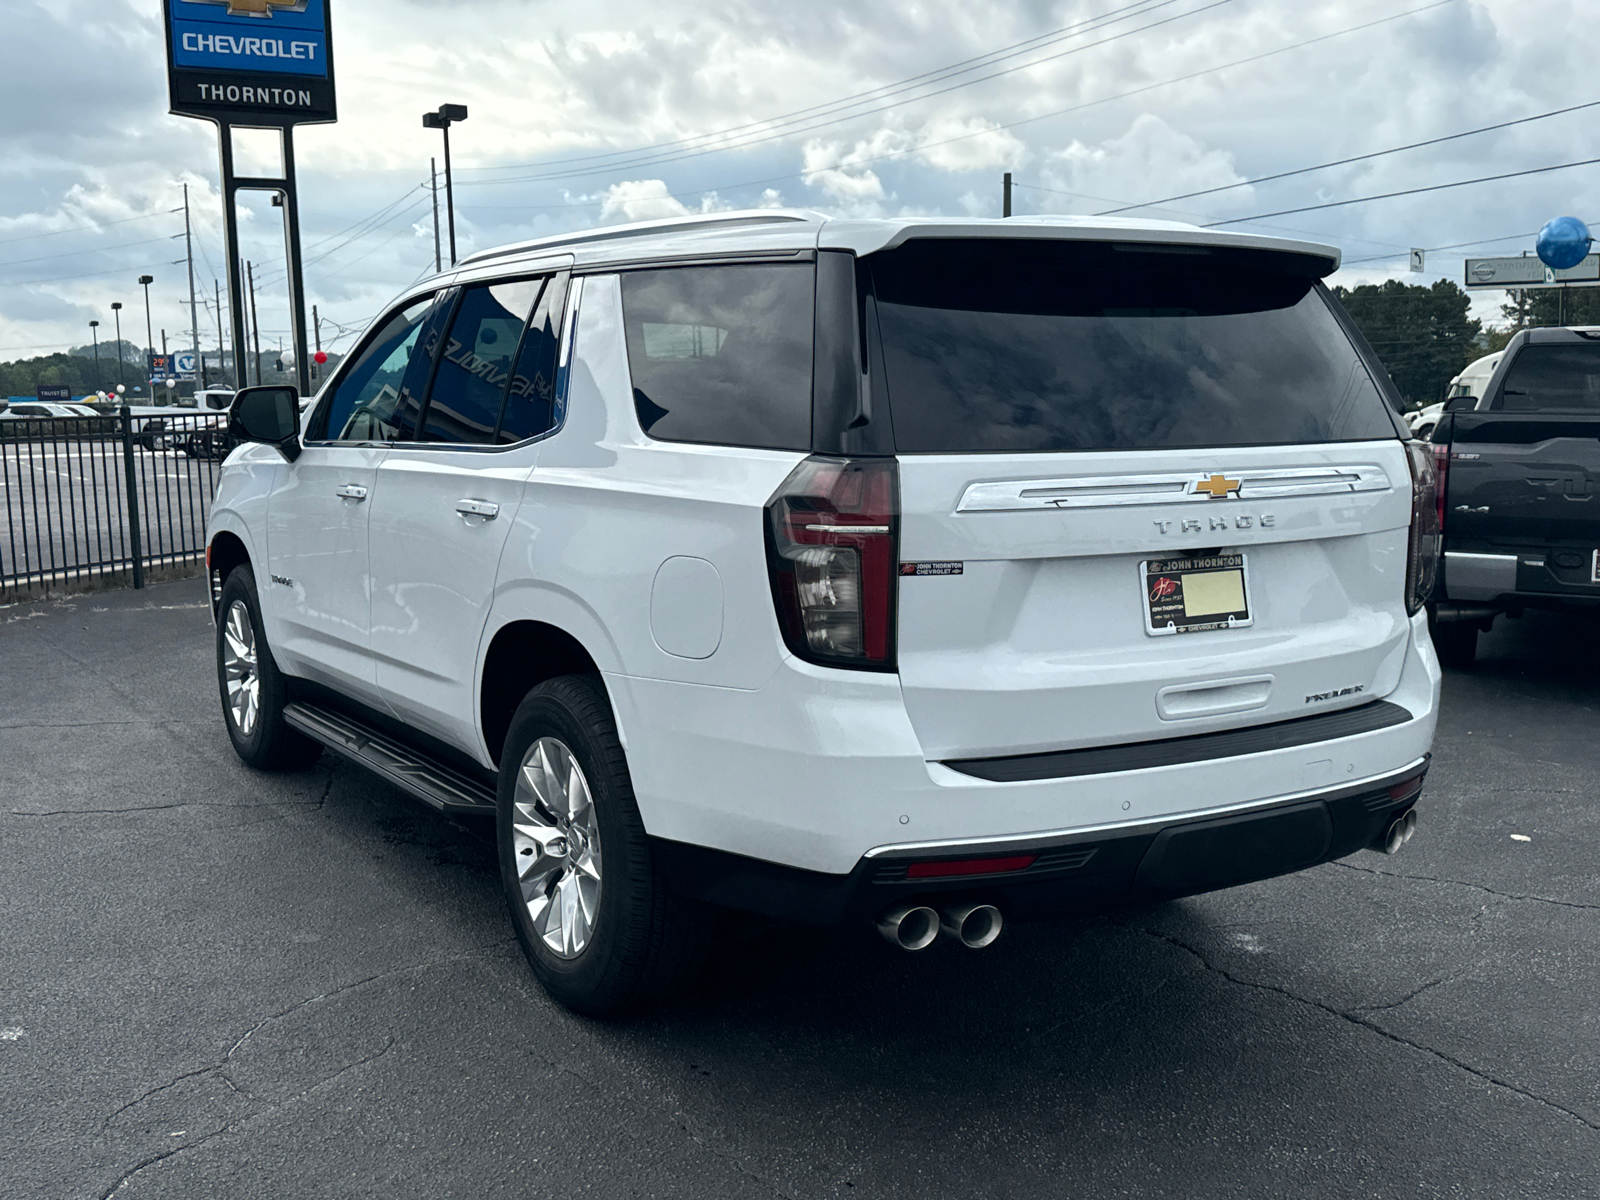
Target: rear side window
x=475, y=368
x=722, y=354
x=1058, y=346
x=1553, y=379
x=530, y=407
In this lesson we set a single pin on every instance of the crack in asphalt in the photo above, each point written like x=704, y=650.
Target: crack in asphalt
x=1463, y=883
x=1408, y=997
x=1354, y=1018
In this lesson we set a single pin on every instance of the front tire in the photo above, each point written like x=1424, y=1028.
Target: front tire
x=599, y=929
x=254, y=691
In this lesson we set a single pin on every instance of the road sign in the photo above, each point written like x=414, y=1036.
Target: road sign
x=1527, y=272
x=266, y=62
x=183, y=365
x=1419, y=260
x=159, y=365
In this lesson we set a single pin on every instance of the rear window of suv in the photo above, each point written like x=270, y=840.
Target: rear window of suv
x=1553, y=379
x=1023, y=345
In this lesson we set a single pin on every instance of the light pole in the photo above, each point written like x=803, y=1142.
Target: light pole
x=94, y=332
x=447, y=115
x=149, y=336
x=116, y=307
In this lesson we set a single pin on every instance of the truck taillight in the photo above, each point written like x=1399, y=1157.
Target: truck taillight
x=1422, y=552
x=1441, y=473
x=832, y=548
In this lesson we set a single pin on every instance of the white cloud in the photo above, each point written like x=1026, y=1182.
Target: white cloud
x=640, y=200
x=1151, y=157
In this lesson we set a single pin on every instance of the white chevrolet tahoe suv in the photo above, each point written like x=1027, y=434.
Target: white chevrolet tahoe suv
x=914, y=572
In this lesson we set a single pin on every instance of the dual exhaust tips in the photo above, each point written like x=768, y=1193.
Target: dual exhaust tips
x=1399, y=832
x=917, y=926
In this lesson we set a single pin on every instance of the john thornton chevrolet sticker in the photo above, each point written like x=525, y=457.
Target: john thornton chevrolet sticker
x=931, y=568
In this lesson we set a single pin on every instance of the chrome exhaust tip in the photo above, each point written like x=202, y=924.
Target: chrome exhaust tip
x=1399, y=832
x=973, y=925
x=910, y=926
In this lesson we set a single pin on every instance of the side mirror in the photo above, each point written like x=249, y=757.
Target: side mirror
x=270, y=415
x=1460, y=404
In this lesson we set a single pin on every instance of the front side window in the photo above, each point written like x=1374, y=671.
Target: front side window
x=1562, y=378
x=1069, y=345
x=369, y=404
x=722, y=354
x=476, y=365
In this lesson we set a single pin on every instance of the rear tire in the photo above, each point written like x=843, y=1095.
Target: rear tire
x=254, y=692
x=1456, y=643
x=599, y=928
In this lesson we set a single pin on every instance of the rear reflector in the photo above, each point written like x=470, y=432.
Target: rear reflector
x=940, y=868
x=1406, y=788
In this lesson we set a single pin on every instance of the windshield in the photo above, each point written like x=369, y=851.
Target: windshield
x=1055, y=345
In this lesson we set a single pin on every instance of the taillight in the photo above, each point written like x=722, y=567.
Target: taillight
x=832, y=548
x=1441, y=473
x=1422, y=552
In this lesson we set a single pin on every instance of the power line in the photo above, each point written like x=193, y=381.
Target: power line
x=16, y=262
x=926, y=146
x=1515, y=237
x=910, y=83
x=655, y=159
x=1353, y=159
x=28, y=237
x=1416, y=191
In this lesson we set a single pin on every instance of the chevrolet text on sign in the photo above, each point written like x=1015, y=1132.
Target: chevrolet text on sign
x=241, y=59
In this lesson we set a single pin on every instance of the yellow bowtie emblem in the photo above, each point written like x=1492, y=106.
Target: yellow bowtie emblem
x=1218, y=487
x=255, y=8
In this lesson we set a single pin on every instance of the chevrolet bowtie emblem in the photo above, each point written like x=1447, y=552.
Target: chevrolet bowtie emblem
x=1218, y=487
x=252, y=8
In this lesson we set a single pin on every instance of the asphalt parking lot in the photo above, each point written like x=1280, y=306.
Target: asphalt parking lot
x=220, y=984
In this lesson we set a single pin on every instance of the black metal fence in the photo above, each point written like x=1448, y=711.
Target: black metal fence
x=104, y=499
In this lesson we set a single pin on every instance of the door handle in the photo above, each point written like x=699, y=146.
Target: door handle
x=352, y=491
x=478, y=508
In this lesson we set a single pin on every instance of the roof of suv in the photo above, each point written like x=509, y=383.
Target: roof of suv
x=789, y=230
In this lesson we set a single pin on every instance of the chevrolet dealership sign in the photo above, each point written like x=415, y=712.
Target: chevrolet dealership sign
x=248, y=62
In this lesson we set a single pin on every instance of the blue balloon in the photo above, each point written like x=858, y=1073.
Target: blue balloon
x=1564, y=243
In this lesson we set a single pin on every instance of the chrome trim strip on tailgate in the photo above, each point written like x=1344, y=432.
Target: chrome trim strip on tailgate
x=1171, y=487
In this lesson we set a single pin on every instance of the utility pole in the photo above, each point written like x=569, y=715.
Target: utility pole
x=194, y=311
x=433, y=174
x=116, y=307
x=94, y=332
x=163, y=343
x=1005, y=204
x=316, y=332
x=255, y=317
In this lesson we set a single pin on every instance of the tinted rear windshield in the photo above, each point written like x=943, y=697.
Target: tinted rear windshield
x=1052, y=346
x=1553, y=379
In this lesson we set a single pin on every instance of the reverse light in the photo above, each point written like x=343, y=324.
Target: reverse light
x=832, y=545
x=1422, y=550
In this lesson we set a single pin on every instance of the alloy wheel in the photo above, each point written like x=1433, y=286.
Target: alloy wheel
x=240, y=668
x=556, y=845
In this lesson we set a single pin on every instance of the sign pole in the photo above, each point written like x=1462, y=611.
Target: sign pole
x=297, y=283
x=230, y=249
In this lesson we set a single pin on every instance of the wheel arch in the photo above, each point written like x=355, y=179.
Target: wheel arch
x=224, y=552
x=521, y=656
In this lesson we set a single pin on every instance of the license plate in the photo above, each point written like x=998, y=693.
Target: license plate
x=1191, y=595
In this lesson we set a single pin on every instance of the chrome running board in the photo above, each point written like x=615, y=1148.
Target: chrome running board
x=430, y=781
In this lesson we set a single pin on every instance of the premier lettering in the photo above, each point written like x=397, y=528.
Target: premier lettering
x=232, y=94
x=250, y=47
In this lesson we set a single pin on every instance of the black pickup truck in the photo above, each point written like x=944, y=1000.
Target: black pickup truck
x=1519, y=490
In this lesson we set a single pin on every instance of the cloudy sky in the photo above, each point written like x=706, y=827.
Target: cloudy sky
x=587, y=113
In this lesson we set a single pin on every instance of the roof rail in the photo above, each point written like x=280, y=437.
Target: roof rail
x=722, y=220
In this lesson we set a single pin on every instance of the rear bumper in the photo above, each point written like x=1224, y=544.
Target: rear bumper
x=1065, y=873
x=1543, y=576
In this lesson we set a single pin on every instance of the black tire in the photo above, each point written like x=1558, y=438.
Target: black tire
x=268, y=744
x=1456, y=643
x=646, y=942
